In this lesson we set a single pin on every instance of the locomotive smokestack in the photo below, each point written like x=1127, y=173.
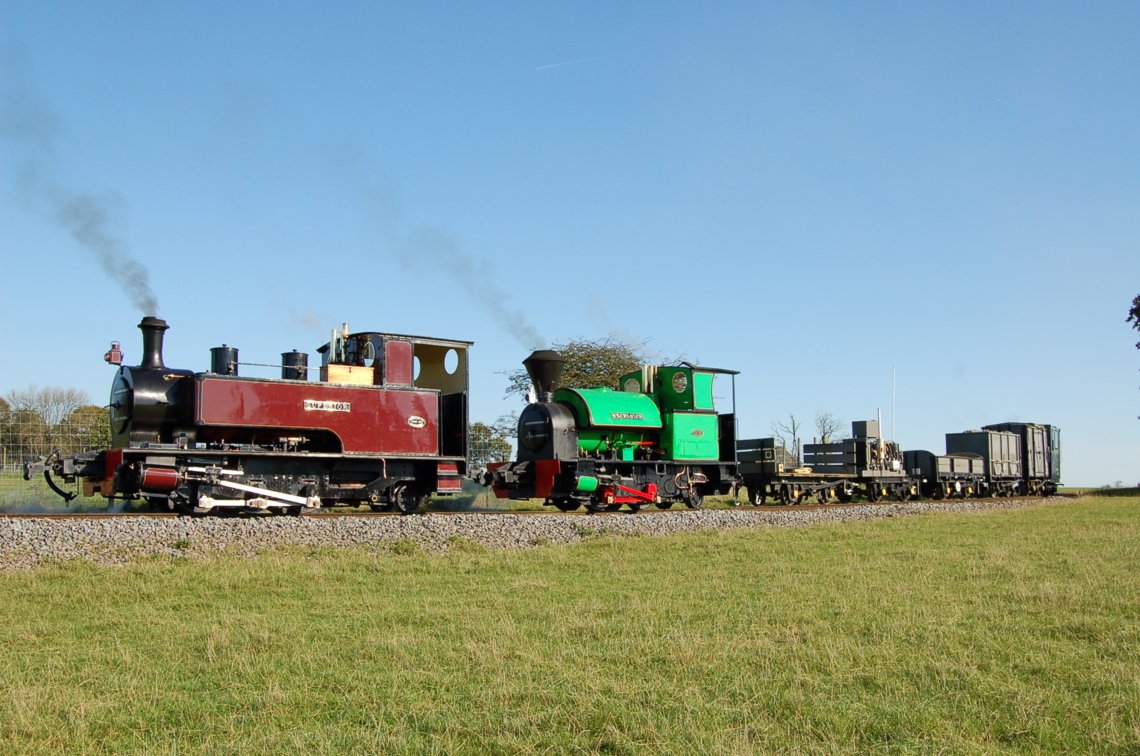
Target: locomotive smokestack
x=153, y=329
x=544, y=368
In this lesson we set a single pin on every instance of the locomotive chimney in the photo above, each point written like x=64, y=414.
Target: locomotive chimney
x=544, y=368
x=153, y=329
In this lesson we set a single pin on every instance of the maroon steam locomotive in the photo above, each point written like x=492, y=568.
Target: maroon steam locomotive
x=385, y=425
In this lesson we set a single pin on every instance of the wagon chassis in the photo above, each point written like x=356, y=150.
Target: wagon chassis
x=827, y=487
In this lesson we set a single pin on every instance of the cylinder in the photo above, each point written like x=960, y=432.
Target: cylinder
x=587, y=483
x=294, y=366
x=158, y=479
x=224, y=360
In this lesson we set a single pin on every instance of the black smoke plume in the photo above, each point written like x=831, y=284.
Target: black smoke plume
x=27, y=122
x=430, y=247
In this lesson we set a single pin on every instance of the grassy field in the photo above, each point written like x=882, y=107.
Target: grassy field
x=1003, y=631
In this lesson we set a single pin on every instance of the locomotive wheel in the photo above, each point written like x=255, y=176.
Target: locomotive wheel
x=637, y=506
x=380, y=507
x=595, y=506
x=566, y=505
x=693, y=500
x=405, y=498
x=664, y=505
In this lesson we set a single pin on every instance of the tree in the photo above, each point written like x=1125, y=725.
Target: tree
x=6, y=440
x=507, y=425
x=486, y=445
x=52, y=403
x=29, y=435
x=828, y=425
x=788, y=435
x=1134, y=315
x=38, y=419
x=88, y=427
x=588, y=364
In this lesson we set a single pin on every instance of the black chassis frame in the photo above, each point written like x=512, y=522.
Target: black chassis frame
x=334, y=478
x=720, y=477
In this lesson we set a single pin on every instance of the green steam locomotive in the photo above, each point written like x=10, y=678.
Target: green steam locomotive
x=657, y=439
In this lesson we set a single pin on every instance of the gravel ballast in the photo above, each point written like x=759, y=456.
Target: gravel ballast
x=28, y=542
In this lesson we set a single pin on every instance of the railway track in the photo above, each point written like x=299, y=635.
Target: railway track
x=333, y=514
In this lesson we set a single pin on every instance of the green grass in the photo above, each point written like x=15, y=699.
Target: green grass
x=1114, y=492
x=1010, y=631
x=19, y=495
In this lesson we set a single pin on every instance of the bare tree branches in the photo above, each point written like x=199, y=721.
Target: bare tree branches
x=828, y=426
x=788, y=435
x=53, y=404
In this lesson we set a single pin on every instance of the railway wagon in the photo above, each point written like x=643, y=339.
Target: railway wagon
x=864, y=464
x=1040, y=456
x=944, y=476
x=1000, y=452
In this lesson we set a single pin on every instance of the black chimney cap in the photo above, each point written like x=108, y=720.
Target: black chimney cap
x=544, y=368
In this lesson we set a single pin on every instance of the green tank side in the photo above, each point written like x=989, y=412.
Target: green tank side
x=612, y=421
x=691, y=435
x=604, y=407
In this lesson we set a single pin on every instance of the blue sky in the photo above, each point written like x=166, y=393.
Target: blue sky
x=811, y=193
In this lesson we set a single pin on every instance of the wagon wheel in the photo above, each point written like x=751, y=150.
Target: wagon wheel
x=939, y=492
x=405, y=498
x=788, y=494
x=760, y=495
x=845, y=493
x=693, y=499
x=874, y=492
